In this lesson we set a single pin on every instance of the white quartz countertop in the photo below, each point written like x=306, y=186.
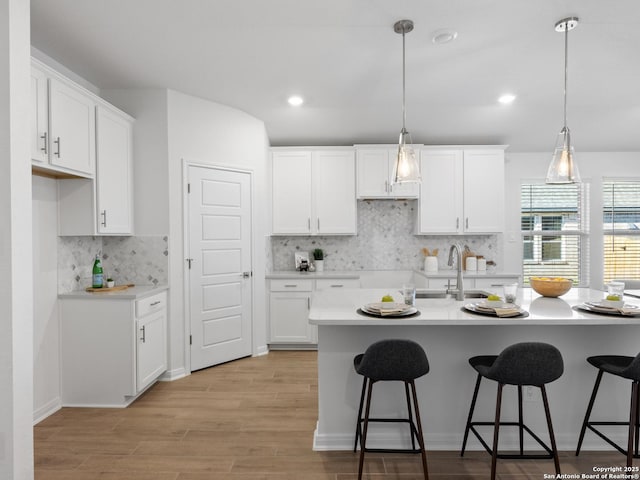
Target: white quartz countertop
x=330, y=307
x=138, y=291
x=450, y=273
x=285, y=274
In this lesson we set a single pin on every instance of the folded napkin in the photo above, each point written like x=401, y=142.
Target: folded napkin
x=387, y=308
x=508, y=312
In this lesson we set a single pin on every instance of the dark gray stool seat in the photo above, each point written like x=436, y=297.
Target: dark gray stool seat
x=532, y=364
x=391, y=360
x=624, y=367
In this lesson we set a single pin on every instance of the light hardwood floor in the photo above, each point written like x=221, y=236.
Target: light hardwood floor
x=245, y=420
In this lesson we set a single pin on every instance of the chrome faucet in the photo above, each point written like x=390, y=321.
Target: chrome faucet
x=459, y=290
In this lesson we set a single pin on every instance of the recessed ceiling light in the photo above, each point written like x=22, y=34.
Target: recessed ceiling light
x=507, y=98
x=295, y=100
x=444, y=36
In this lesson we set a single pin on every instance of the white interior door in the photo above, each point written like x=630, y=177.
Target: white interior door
x=220, y=272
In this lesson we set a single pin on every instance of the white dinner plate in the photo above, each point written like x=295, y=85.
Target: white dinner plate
x=484, y=310
x=598, y=308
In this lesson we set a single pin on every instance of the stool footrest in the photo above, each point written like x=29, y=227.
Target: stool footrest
x=590, y=426
x=525, y=428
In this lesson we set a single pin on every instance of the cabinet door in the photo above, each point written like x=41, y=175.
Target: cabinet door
x=440, y=205
x=39, y=117
x=372, y=173
x=151, y=349
x=401, y=190
x=291, y=192
x=289, y=318
x=72, y=128
x=334, y=181
x=113, y=173
x=483, y=191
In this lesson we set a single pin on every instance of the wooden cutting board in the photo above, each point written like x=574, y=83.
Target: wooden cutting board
x=112, y=289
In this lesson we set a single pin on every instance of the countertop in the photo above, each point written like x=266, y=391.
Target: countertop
x=284, y=274
x=139, y=291
x=450, y=273
x=330, y=307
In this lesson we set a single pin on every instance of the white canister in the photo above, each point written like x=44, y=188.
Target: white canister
x=472, y=264
x=482, y=264
x=430, y=264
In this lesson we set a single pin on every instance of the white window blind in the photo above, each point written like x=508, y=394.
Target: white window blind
x=554, y=224
x=621, y=228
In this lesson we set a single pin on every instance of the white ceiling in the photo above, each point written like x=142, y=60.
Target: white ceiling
x=345, y=59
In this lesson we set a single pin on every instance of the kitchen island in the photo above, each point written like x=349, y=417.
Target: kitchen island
x=450, y=336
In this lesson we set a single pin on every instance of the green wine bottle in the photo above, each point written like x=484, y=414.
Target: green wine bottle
x=98, y=280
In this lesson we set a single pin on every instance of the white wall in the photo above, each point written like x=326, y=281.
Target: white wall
x=46, y=361
x=593, y=167
x=208, y=133
x=16, y=302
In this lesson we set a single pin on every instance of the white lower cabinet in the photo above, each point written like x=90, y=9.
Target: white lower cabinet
x=487, y=283
x=112, y=349
x=289, y=304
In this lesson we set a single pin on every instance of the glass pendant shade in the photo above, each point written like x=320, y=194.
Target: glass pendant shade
x=406, y=168
x=563, y=168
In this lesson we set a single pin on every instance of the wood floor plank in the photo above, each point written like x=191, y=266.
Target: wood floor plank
x=251, y=419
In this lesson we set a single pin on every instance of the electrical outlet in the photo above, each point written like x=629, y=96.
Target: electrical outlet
x=529, y=394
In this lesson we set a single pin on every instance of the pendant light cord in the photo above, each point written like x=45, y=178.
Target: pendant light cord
x=404, y=111
x=566, y=69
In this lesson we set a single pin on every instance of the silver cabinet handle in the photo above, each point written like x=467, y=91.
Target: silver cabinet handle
x=153, y=304
x=104, y=218
x=457, y=223
x=246, y=274
x=144, y=336
x=309, y=224
x=57, y=142
x=318, y=223
x=308, y=303
x=291, y=285
x=44, y=137
x=386, y=186
x=466, y=223
x=337, y=286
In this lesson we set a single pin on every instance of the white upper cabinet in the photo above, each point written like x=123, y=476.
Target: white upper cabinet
x=114, y=173
x=462, y=191
x=313, y=192
x=62, y=125
x=375, y=174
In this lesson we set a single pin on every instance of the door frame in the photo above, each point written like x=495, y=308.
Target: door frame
x=186, y=283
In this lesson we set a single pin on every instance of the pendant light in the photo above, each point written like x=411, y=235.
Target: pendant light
x=406, y=168
x=563, y=168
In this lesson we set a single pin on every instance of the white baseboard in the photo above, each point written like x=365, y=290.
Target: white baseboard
x=453, y=442
x=261, y=350
x=171, y=375
x=49, y=408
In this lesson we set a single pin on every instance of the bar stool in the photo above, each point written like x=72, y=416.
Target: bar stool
x=624, y=367
x=530, y=363
x=391, y=360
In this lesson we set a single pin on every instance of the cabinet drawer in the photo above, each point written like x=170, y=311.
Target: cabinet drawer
x=147, y=305
x=292, y=285
x=337, y=283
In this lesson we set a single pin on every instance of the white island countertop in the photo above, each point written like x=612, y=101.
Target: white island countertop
x=340, y=308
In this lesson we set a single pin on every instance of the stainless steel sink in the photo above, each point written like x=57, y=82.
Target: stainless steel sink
x=476, y=294
x=428, y=293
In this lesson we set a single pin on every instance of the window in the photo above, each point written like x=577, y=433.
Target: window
x=621, y=226
x=554, y=231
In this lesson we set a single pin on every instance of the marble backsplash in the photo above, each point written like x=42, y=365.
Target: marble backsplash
x=385, y=241
x=141, y=260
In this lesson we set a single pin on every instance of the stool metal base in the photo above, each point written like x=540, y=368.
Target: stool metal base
x=552, y=451
x=633, y=439
x=415, y=427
